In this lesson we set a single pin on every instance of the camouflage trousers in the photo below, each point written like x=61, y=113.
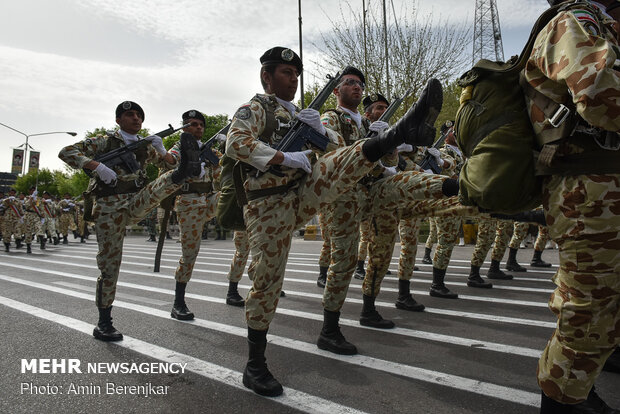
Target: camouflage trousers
x=65, y=222
x=408, y=230
x=542, y=238
x=30, y=226
x=583, y=214
x=490, y=230
x=432, y=233
x=519, y=234
x=447, y=235
x=193, y=211
x=242, y=251
x=112, y=214
x=366, y=227
x=416, y=194
x=326, y=249
x=47, y=226
x=80, y=224
x=11, y=225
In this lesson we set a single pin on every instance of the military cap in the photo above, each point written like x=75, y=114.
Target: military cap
x=32, y=188
x=47, y=193
x=129, y=106
x=12, y=190
x=193, y=114
x=371, y=99
x=284, y=55
x=446, y=126
x=350, y=70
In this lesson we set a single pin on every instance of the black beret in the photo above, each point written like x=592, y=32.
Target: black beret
x=446, y=126
x=350, y=70
x=284, y=55
x=371, y=99
x=46, y=193
x=193, y=114
x=129, y=106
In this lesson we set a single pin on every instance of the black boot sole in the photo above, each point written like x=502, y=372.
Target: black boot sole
x=432, y=101
x=107, y=337
x=540, y=264
x=437, y=294
x=513, y=268
x=266, y=392
x=235, y=302
x=483, y=285
x=418, y=307
x=327, y=345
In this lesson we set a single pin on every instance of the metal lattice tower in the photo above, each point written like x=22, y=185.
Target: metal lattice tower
x=487, y=33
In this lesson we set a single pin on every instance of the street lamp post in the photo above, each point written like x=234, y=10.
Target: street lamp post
x=26, y=147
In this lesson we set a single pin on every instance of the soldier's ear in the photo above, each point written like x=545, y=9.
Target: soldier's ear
x=266, y=77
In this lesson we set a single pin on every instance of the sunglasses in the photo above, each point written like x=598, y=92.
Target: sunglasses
x=351, y=82
x=196, y=124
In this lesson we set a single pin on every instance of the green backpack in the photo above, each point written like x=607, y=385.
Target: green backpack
x=494, y=131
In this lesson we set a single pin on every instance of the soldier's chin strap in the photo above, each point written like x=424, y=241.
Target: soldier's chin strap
x=532, y=216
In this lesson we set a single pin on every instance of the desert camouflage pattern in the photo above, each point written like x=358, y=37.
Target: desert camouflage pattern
x=242, y=251
x=325, y=256
x=12, y=219
x=432, y=233
x=113, y=213
x=519, y=233
x=408, y=230
x=542, y=238
x=365, y=229
x=48, y=222
x=491, y=231
x=573, y=60
x=66, y=213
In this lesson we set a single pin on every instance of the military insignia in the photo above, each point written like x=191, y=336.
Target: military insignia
x=192, y=114
x=588, y=21
x=374, y=97
x=126, y=105
x=287, y=55
x=448, y=124
x=243, y=113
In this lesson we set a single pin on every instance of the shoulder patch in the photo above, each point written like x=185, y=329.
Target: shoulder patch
x=243, y=113
x=588, y=20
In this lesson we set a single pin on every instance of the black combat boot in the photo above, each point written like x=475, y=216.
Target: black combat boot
x=42, y=241
x=104, y=330
x=7, y=247
x=64, y=240
x=219, y=235
x=613, y=362
x=475, y=280
x=331, y=339
x=405, y=301
x=322, y=279
x=28, y=248
x=151, y=238
x=233, y=297
x=414, y=128
x=427, y=256
x=82, y=239
x=189, y=164
x=168, y=236
x=438, y=288
x=512, y=264
x=537, y=260
x=370, y=316
x=179, y=309
x=56, y=240
x=256, y=375
x=18, y=243
x=496, y=273
x=360, y=273
x=75, y=234
x=593, y=405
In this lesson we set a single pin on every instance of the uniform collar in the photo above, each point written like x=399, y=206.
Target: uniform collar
x=356, y=116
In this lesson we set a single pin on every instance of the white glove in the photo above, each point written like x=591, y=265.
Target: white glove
x=34, y=193
x=11, y=198
x=202, y=170
x=107, y=175
x=378, y=126
x=21, y=220
x=65, y=209
x=429, y=171
x=42, y=221
x=298, y=159
x=389, y=171
x=220, y=137
x=405, y=148
x=435, y=153
x=157, y=143
x=313, y=118
x=71, y=205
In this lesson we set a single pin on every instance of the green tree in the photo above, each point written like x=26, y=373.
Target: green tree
x=44, y=180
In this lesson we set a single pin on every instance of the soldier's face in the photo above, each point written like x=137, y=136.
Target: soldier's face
x=283, y=82
x=196, y=127
x=130, y=122
x=375, y=111
x=349, y=91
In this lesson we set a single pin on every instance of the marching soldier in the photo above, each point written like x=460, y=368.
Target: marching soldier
x=280, y=203
x=80, y=223
x=237, y=266
x=48, y=211
x=123, y=197
x=66, y=207
x=572, y=63
x=194, y=205
x=13, y=217
x=539, y=246
x=32, y=218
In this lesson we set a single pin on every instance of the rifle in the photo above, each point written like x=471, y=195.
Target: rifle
x=125, y=155
x=301, y=133
x=429, y=162
x=206, y=153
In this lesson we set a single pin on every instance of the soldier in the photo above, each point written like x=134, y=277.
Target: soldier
x=518, y=235
x=48, y=211
x=13, y=216
x=490, y=232
x=430, y=241
x=325, y=256
x=237, y=266
x=195, y=205
x=280, y=203
x=32, y=217
x=80, y=224
x=539, y=246
x=129, y=199
x=67, y=209
x=572, y=63
x=151, y=225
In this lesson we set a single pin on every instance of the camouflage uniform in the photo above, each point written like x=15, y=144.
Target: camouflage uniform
x=542, y=238
x=572, y=62
x=48, y=226
x=362, y=249
x=13, y=217
x=432, y=233
x=32, y=218
x=326, y=249
x=519, y=234
x=66, y=207
x=194, y=208
x=112, y=213
x=490, y=231
x=242, y=251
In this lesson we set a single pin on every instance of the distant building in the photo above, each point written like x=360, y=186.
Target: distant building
x=6, y=181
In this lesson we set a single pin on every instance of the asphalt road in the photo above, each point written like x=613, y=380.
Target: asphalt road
x=477, y=354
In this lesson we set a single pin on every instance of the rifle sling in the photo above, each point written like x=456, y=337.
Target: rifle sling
x=121, y=187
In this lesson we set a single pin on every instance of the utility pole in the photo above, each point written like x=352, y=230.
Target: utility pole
x=387, y=52
x=301, y=56
x=487, y=33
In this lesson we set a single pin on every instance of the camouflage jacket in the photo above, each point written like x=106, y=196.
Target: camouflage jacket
x=12, y=207
x=453, y=156
x=65, y=206
x=572, y=62
x=32, y=204
x=48, y=208
x=245, y=142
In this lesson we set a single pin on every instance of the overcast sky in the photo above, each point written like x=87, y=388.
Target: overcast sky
x=66, y=64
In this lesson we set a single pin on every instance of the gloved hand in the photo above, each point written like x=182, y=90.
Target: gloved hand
x=21, y=220
x=405, y=148
x=65, y=209
x=389, y=171
x=105, y=174
x=298, y=159
x=157, y=143
x=429, y=171
x=34, y=193
x=435, y=153
x=220, y=137
x=42, y=221
x=202, y=170
x=311, y=117
x=378, y=126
